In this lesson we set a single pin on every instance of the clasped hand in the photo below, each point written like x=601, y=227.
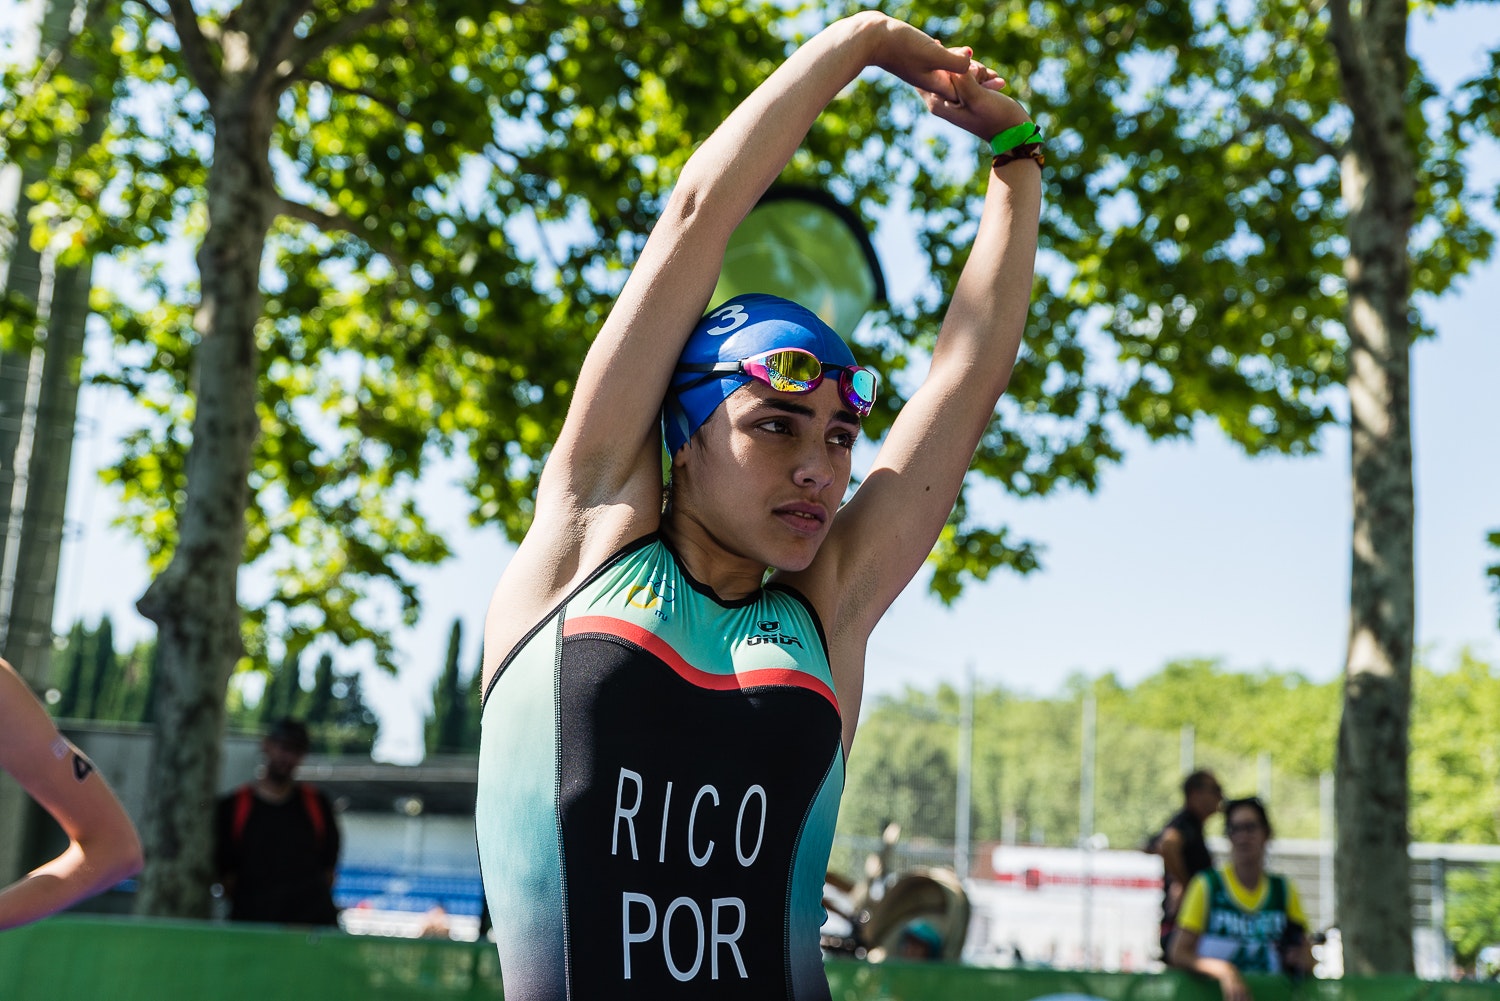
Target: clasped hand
x=955, y=86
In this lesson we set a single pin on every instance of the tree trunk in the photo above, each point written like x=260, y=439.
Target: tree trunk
x=21, y=276
x=1371, y=794
x=195, y=602
x=28, y=632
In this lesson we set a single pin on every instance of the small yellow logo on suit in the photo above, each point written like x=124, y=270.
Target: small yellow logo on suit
x=652, y=595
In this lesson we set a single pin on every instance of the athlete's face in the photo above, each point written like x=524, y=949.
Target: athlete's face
x=1247, y=835
x=764, y=476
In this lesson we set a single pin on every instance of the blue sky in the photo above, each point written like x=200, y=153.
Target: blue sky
x=1188, y=549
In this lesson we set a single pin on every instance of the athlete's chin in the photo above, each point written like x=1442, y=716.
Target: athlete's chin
x=794, y=558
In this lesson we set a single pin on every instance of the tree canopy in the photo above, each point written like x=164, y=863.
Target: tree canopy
x=447, y=242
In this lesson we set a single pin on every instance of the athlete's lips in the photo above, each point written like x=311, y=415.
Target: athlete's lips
x=803, y=515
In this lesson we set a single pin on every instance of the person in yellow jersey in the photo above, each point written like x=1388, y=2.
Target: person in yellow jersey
x=1242, y=919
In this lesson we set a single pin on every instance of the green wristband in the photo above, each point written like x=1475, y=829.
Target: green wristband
x=1016, y=135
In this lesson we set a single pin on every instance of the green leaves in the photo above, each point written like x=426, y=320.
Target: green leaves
x=466, y=186
x=1473, y=912
x=1455, y=758
x=1027, y=750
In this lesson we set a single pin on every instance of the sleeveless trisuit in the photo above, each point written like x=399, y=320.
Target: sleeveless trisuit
x=659, y=779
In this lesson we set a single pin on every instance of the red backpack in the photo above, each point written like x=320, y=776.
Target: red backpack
x=244, y=799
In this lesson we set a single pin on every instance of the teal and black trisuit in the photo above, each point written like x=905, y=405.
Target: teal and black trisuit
x=659, y=778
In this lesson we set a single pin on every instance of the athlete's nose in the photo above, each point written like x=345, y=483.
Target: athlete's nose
x=815, y=468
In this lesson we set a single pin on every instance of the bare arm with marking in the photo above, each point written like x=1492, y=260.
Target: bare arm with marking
x=102, y=848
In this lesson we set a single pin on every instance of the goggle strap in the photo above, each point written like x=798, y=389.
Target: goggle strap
x=723, y=366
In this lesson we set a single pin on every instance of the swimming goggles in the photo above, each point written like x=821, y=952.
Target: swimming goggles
x=796, y=370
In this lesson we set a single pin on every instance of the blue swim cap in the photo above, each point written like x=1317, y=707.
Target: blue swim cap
x=743, y=326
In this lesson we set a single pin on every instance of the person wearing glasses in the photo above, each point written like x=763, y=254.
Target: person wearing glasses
x=103, y=848
x=672, y=678
x=1241, y=918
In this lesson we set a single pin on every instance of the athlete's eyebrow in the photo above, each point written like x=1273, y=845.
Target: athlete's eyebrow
x=788, y=406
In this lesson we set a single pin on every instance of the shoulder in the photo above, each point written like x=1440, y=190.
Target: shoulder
x=230, y=798
x=232, y=810
x=1192, y=914
x=1211, y=884
x=1184, y=822
x=557, y=558
x=314, y=795
x=1289, y=894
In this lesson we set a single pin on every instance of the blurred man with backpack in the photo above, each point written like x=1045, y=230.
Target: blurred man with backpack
x=278, y=840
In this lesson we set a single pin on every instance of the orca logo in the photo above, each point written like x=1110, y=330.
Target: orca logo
x=771, y=633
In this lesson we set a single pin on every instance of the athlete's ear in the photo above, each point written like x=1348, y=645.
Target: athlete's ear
x=695, y=444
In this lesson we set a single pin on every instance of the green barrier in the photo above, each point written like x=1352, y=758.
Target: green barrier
x=104, y=959
x=924, y=982
x=79, y=959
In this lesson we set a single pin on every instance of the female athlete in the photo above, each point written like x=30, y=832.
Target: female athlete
x=673, y=683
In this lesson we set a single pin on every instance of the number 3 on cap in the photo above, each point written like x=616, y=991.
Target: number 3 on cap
x=733, y=315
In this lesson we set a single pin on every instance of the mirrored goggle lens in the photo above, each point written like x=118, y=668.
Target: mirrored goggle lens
x=791, y=371
x=858, y=385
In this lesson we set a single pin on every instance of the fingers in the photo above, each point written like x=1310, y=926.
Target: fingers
x=985, y=77
x=967, y=86
x=979, y=71
x=938, y=87
x=959, y=82
x=953, y=106
x=955, y=63
x=962, y=56
x=981, y=107
x=970, y=96
x=970, y=87
x=988, y=78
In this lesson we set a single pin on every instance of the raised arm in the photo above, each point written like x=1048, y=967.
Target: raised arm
x=608, y=452
x=103, y=848
x=910, y=491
